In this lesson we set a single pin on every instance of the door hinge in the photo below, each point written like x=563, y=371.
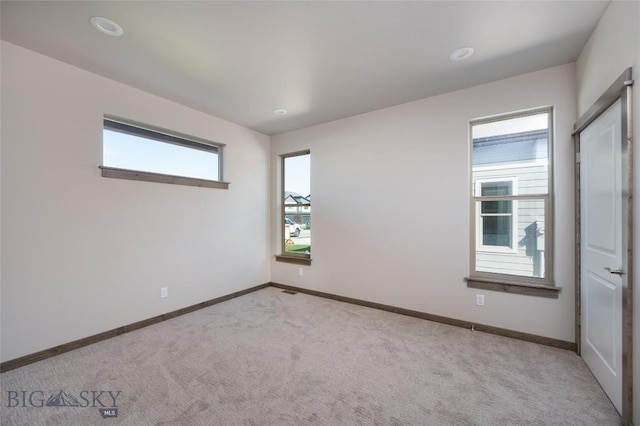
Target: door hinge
x=577, y=157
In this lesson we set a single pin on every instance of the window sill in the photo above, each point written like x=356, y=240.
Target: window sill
x=293, y=259
x=514, y=287
x=112, y=172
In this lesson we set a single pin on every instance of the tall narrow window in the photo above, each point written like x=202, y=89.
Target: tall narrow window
x=511, y=174
x=139, y=152
x=296, y=205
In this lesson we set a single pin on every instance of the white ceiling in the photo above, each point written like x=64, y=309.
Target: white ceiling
x=320, y=60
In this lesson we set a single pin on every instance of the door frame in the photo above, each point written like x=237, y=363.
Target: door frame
x=620, y=89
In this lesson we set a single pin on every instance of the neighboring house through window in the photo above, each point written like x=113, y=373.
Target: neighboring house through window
x=497, y=220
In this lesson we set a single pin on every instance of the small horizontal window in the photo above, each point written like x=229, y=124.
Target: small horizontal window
x=154, y=152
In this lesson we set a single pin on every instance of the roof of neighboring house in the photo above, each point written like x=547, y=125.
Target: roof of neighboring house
x=512, y=148
x=296, y=198
x=511, y=138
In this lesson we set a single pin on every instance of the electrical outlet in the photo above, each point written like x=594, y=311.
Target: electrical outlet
x=480, y=299
x=300, y=271
x=164, y=292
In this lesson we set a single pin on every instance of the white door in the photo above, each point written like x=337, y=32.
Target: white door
x=602, y=250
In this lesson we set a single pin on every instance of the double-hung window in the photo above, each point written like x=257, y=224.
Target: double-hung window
x=511, y=201
x=136, y=151
x=296, y=208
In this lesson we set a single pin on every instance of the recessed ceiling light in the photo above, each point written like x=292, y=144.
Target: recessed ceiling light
x=106, y=26
x=280, y=111
x=461, y=54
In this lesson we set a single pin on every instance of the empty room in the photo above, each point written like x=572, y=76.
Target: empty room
x=319, y=212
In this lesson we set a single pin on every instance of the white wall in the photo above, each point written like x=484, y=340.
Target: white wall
x=82, y=254
x=390, y=212
x=613, y=47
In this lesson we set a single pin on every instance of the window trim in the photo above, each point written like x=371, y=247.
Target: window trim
x=284, y=256
x=506, y=282
x=135, y=128
x=509, y=286
x=113, y=172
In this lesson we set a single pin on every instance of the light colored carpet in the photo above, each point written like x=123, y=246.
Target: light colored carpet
x=269, y=358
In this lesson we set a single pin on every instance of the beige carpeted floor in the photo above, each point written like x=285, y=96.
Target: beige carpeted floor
x=269, y=358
